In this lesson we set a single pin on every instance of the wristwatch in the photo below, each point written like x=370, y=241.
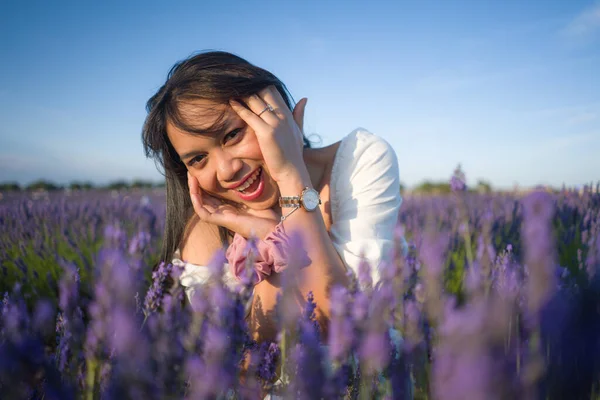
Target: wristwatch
x=309, y=199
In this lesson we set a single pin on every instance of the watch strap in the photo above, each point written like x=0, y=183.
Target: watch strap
x=289, y=201
x=295, y=201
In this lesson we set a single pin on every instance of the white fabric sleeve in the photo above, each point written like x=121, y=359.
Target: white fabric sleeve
x=194, y=276
x=366, y=200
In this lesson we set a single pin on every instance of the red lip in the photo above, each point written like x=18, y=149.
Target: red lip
x=240, y=183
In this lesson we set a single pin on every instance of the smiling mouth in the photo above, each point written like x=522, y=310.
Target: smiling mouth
x=253, y=188
x=251, y=183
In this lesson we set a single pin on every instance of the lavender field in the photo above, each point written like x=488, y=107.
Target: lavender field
x=497, y=298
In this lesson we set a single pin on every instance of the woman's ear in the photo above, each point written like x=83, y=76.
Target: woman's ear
x=298, y=113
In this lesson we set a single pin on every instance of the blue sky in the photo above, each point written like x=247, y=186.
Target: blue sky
x=509, y=89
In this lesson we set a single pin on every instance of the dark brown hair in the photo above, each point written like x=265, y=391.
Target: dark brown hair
x=217, y=76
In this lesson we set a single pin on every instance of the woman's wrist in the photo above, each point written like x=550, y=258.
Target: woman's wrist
x=294, y=183
x=263, y=229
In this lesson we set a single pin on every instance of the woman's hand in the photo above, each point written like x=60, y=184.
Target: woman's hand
x=246, y=222
x=278, y=132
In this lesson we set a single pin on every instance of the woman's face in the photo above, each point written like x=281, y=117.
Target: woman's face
x=226, y=162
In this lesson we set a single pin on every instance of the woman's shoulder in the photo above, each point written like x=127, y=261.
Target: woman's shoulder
x=200, y=242
x=361, y=150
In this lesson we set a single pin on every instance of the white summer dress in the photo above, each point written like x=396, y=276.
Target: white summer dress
x=365, y=201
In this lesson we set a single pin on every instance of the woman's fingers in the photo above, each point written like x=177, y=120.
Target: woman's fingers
x=260, y=108
x=210, y=201
x=280, y=140
x=194, y=189
x=199, y=208
x=214, y=211
x=255, y=122
x=298, y=113
x=203, y=211
x=192, y=184
x=272, y=96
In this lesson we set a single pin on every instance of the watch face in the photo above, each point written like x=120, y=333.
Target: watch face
x=310, y=199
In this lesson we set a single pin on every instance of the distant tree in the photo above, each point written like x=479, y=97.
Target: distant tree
x=81, y=185
x=42, y=185
x=429, y=187
x=160, y=184
x=483, y=186
x=402, y=187
x=141, y=184
x=87, y=185
x=9, y=187
x=117, y=185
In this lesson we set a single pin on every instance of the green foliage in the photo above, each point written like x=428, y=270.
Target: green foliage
x=117, y=185
x=81, y=185
x=42, y=185
x=483, y=187
x=68, y=230
x=455, y=271
x=402, y=187
x=9, y=187
x=429, y=187
x=141, y=184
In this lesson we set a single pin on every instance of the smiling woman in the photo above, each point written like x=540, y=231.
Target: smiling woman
x=237, y=164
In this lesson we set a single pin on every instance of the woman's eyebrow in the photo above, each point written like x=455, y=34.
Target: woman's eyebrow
x=190, y=154
x=221, y=128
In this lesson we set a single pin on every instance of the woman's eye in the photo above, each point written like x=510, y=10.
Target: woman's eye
x=233, y=134
x=196, y=159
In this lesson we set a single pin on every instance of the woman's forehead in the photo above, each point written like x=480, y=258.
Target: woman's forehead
x=204, y=114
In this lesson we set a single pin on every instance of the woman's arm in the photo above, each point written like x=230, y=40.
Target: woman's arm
x=200, y=241
x=365, y=197
x=325, y=270
x=277, y=134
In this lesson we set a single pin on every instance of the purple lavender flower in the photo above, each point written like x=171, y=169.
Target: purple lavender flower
x=308, y=381
x=365, y=278
x=432, y=255
x=375, y=351
x=155, y=294
x=115, y=236
x=540, y=258
x=341, y=327
x=308, y=313
x=43, y=317
x=270, y=355
x=412, y=325
x=69, y=288
x=360, y=307
x=458, y=180
x=471, y=360
x=139, y=242
x=200, y=381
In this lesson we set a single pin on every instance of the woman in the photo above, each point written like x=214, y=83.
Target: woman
x=237, y=164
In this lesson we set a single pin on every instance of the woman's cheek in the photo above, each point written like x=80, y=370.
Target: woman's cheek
x=202, y=182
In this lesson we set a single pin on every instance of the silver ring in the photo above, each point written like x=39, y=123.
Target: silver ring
x=267, y=108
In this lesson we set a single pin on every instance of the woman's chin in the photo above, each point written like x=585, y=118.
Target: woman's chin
x=268, y=199
x=263, y=205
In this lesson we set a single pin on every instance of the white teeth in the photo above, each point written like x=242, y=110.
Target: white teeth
x=249, y=181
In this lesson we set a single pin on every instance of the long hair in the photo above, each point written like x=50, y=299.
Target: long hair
x=216, y=76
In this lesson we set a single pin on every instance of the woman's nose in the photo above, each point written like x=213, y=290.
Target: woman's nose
x=227, y=167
